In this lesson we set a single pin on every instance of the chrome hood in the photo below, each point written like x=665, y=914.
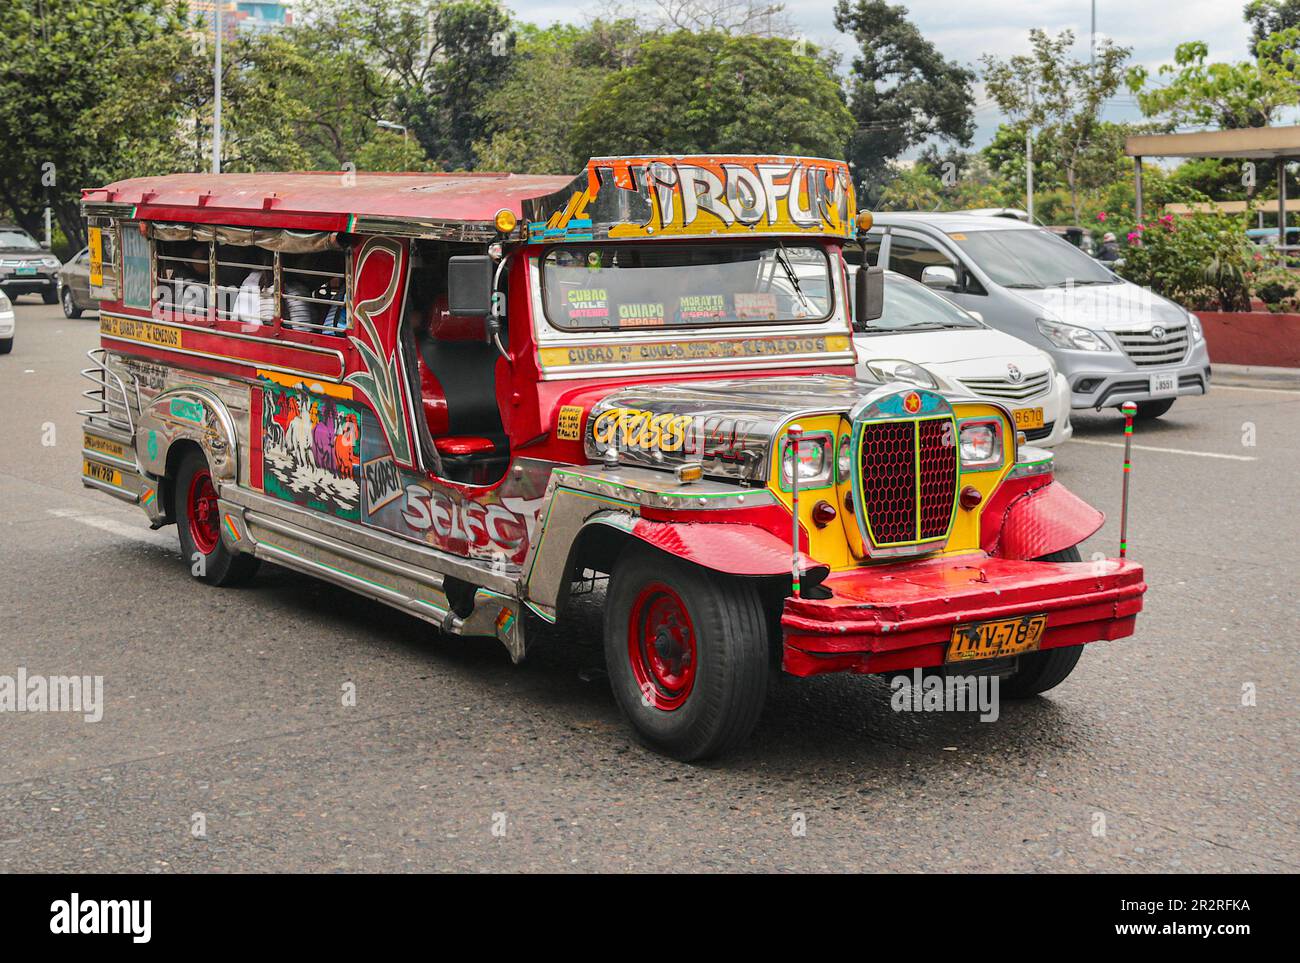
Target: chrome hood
x=729, y=426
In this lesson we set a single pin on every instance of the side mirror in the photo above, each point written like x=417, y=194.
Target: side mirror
x=940, y=276
x=469, y=285
x=976, y=315
x=868, y=295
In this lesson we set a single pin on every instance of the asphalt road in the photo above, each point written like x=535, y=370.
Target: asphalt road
x=228, y=703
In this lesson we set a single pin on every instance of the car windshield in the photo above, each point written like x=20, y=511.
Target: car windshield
x=17, y=241
x=609, y=286
x=911, y=306
x=1031, y=259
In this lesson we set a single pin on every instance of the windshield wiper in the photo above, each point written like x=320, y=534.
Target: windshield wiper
x=789, y=273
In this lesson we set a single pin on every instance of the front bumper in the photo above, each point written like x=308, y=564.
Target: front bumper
x=27, y=283
x=1101, y=379
x=901, y=616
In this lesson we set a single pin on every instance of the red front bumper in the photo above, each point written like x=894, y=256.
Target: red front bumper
x=901, y=616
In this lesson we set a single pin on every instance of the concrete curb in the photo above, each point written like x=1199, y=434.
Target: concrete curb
x=1255, y=376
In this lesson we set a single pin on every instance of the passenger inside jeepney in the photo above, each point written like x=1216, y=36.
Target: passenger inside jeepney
x=183, y=273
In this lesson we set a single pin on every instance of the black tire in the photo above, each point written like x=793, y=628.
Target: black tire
x=70, y=309
x=220, y=565
x=1039, y=671
x=1151, y=410
x=730, y=657
x=49, y=295
x=6, y=345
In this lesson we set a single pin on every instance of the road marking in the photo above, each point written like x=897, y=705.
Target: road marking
x=114, y=527
x=1167, y=451
x=1271, y=391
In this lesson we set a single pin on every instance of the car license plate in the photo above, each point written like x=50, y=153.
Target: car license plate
x=25, y=270
x=996, y=639
x=1164, y=384
x=1028, y=418
x=103, y=473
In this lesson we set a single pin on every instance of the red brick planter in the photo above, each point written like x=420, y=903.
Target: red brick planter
x=1252, y=337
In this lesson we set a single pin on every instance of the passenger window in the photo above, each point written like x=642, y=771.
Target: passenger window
x=313, y=292
x=245, y=284
x=182, y=284
x=912, y=255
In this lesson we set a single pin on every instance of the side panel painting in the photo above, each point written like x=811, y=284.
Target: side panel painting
x=310, y=450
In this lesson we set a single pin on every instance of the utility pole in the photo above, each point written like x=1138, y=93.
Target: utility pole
x=1029, y=172
x=1092, y=42
x=216, y=96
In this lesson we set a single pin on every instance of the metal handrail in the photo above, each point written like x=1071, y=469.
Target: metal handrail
x=99, y=376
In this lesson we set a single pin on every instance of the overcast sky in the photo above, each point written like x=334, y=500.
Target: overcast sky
x=963, y=30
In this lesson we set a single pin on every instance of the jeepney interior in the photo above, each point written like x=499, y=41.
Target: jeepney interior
x=457, y=373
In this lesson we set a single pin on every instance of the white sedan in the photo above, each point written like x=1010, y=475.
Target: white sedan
x=928, y=341
x=6, y=324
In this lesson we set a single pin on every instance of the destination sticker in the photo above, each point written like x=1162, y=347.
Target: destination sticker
x=588, y=305
x=702, y=307
x=756, y=306
x=104, y=446
x=568, y=427
x=640, y=315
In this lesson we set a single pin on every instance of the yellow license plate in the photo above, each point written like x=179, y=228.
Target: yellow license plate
x=1027, y=418
x=103, y=473
x=996, y=639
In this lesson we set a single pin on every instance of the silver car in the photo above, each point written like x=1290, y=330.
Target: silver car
x=25, y=268
x=74, y=285
x=1113, y=340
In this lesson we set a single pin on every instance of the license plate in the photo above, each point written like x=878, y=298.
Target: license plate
x=1027, y=418
x=103, y=473
x=25, y=271
x=1164, y=384
x=996, y=639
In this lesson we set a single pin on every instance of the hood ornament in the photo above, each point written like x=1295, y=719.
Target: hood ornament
x=1015, y=374
x=1158, y=332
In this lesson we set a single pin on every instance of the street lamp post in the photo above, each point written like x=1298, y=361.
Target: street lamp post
x=216, y=96
x=393, y=125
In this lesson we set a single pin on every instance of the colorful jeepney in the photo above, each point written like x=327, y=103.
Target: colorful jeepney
x=465, y=395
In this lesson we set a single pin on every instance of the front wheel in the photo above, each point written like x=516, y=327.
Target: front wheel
x=198, y=522
x=687, y=653
x=1151, y=410
x=70, y=309
x=1039, y=671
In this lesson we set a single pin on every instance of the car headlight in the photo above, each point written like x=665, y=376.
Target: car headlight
x=896, y=369
x=51, y=262
x=1071, y=336
x=1197, y=333
x=814, y=462
x=980, y=443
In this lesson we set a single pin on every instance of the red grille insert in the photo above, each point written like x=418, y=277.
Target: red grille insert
x=938, y=476
x=888, y=453
x=900, y=507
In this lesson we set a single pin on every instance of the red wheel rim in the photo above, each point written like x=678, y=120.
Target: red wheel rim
x=661, y=646
x=203, y=512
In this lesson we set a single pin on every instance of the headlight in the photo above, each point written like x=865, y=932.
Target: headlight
x=1197, y=333
x=51, y=262
x=1071, y=336
x=980, y=444
x=814, y=462
x=896, y=369
x=844, y=463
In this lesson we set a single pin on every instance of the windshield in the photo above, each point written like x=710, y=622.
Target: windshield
x=610, y=286
x=1031, y=259
x=17, y=241
x=911, y=306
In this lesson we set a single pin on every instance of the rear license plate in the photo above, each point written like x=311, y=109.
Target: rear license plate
x=102, y=473
x=1028, y=418
x=25, y=271
x=1164, y=384
x=997, y=639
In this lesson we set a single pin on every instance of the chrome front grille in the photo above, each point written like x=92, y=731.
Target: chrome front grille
x=1146, y=350
x=907, y=474
x=1004, y=389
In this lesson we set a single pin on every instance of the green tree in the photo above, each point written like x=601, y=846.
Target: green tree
x=61, y=68
x=1063, y=97
x=902, y=91
x=1267, y=17
x=1231, y=95
x=712, y=92
x=434, y=61
x=555, y=75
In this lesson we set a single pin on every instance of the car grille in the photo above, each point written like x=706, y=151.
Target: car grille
x=1005, y=389
x=1038, y=434
x=1146, y=351
x=908, y=476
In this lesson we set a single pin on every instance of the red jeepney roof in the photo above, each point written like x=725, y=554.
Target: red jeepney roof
x=324, y=200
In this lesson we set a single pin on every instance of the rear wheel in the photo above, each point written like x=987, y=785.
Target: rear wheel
x=49, y=295
x=70, y=309
x=1039, y=671
x=198, y=522
x=1150, y=410
x=687, y=655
